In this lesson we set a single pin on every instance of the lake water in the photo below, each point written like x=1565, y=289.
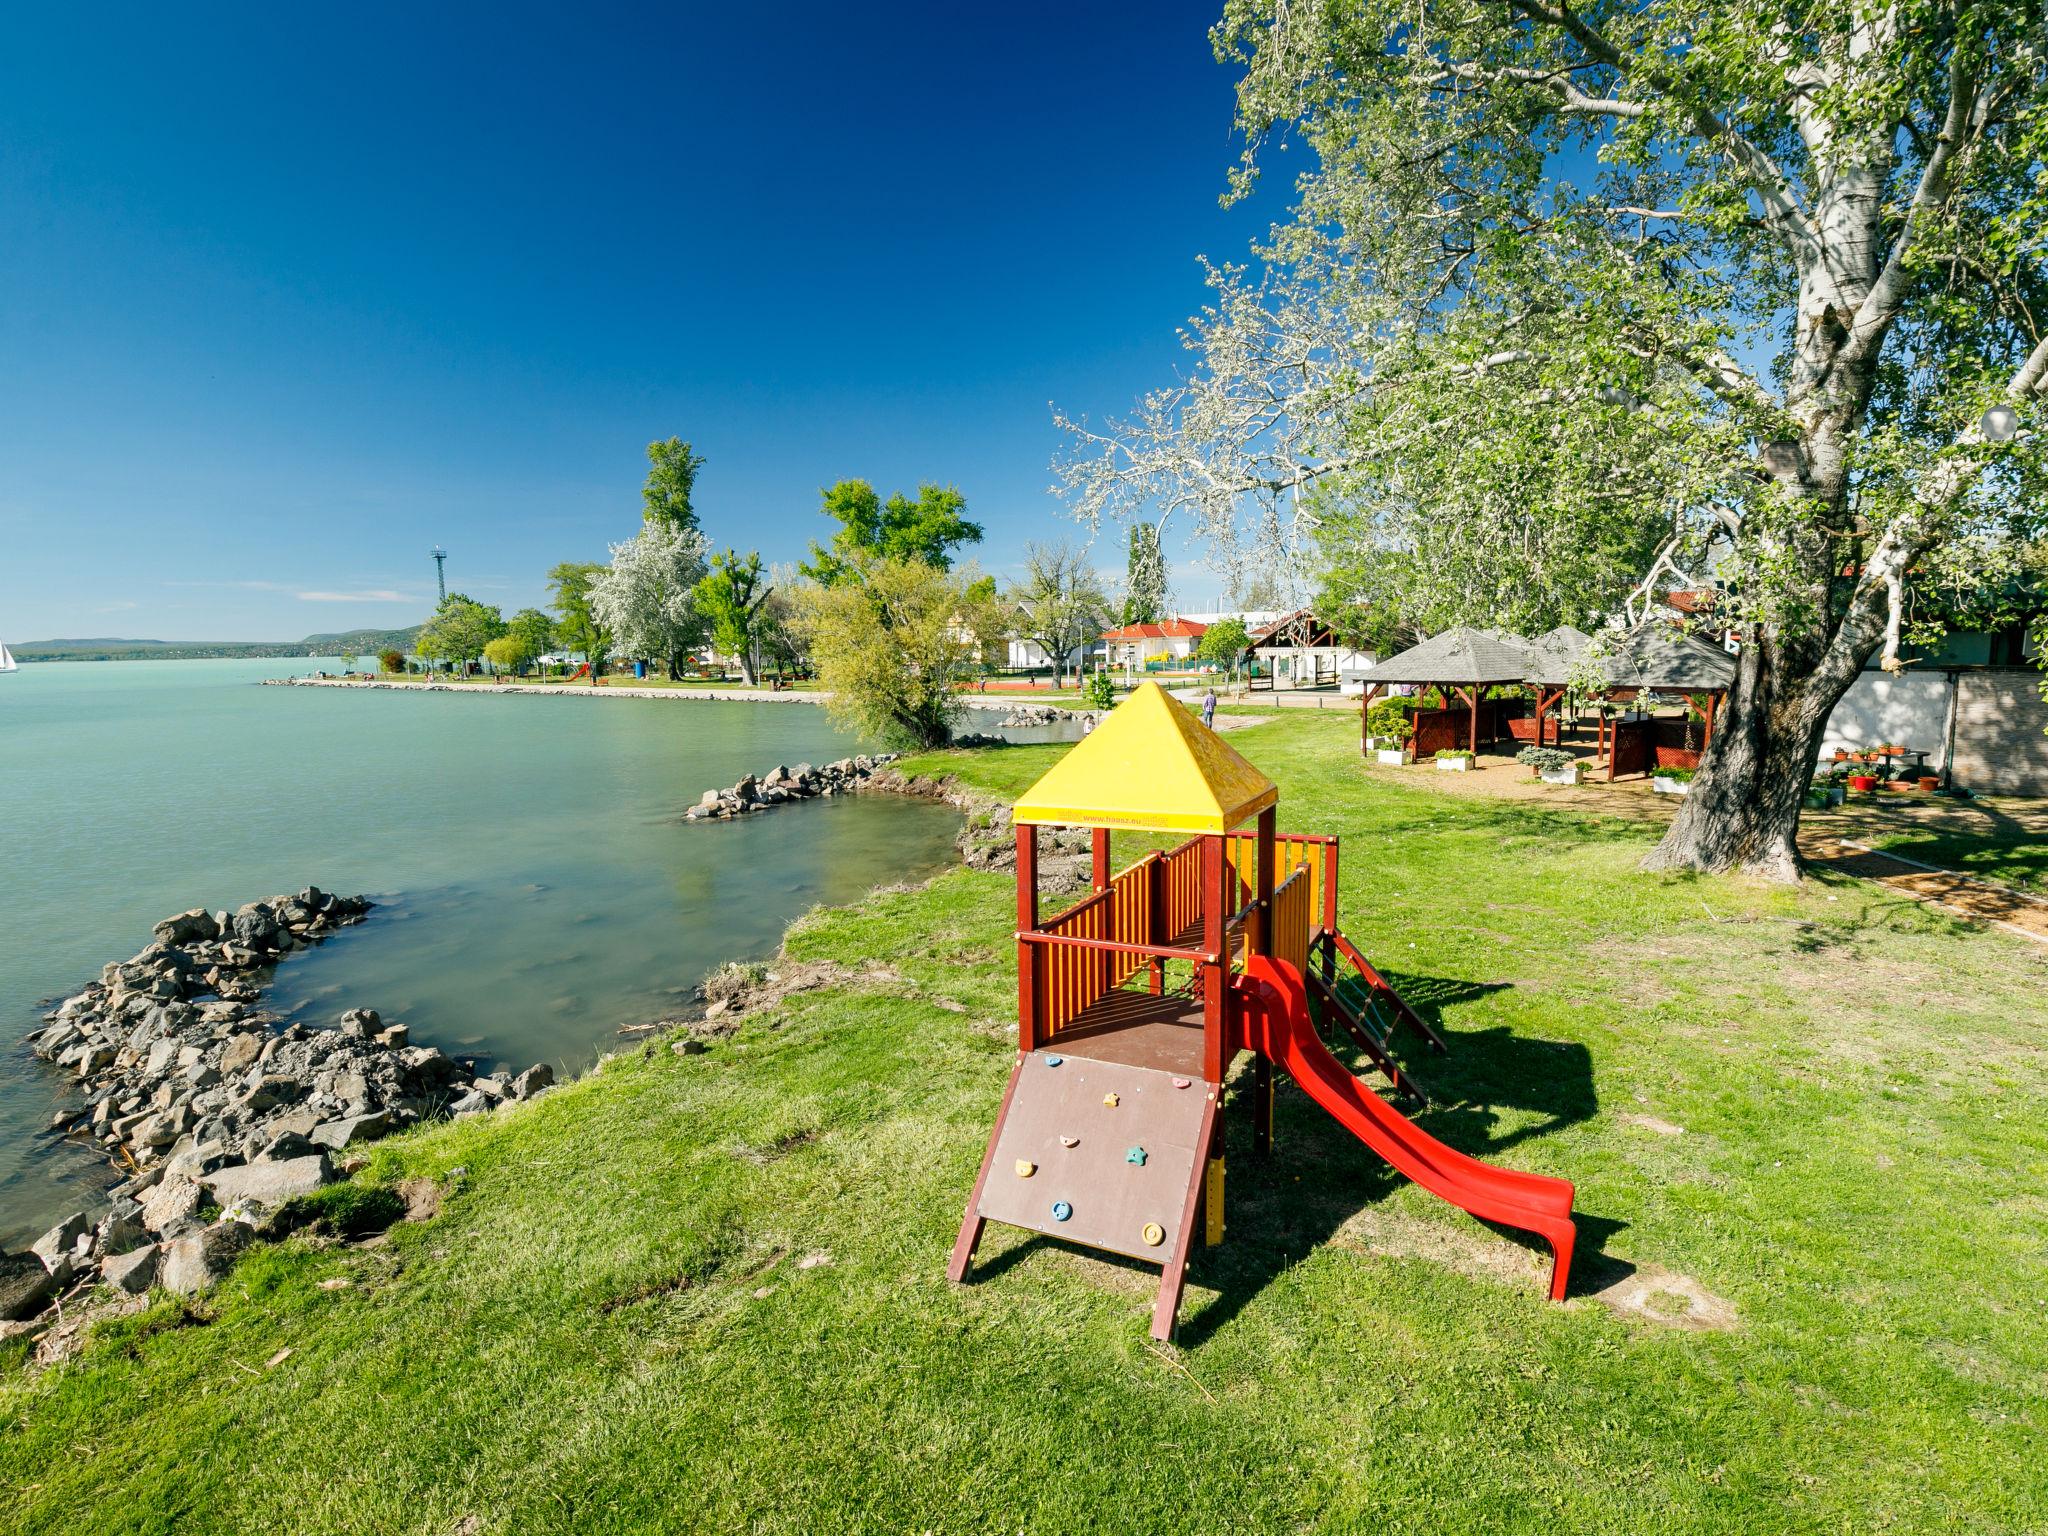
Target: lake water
x=537, y=885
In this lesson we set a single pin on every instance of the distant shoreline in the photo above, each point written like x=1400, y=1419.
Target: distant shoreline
x=739, y=694
x=573, y=690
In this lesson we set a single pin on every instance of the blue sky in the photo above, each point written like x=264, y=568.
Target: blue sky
x=290, y=297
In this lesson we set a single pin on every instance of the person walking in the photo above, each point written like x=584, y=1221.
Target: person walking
x=1209, y=708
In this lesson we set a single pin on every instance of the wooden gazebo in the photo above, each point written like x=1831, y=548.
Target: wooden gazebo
x=1461, y=664
x=1658, y=658
x=1553, y=656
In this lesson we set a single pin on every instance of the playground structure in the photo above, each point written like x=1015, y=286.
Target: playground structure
x=1134, y=1003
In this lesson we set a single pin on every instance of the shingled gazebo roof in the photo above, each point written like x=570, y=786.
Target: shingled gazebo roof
x=1553, y=655
x=1458, y=657
x=1662, y=659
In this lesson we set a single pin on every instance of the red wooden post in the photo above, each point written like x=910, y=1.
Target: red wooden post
x=1027, y=922
x=1155, y=921
x=1099, y=848
x=1472, y=698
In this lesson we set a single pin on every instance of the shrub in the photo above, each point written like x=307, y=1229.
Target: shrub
x=1454, y=752
x=1388, y=717
x=1675, y=775
x=1545, y=759
x=391, y=661
x=1099, y=692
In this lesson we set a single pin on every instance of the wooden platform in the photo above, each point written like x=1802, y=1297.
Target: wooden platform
x=1137, y=1029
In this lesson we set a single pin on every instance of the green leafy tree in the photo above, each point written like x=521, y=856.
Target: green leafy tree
x=895, y=644
x=534, y=631
x=1099, y=691
x=1145, y=577
x=1059, y=604
x=671, y=480
x=1224, y=644
x=731, y=598
x=578, y=624
x=510, y=652
x=459, y=630
x=928, y=529
x=1583, y=302
x=391, y=662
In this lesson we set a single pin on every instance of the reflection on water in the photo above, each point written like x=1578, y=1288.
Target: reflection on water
x=538, y=886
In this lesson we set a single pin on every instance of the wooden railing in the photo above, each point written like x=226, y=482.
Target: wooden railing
x=1294, y=918
x=1292, y=851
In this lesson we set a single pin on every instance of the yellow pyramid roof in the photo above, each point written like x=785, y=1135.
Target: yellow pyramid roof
x=1151, y=765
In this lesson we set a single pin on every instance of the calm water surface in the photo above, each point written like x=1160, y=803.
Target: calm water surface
x=538, y=886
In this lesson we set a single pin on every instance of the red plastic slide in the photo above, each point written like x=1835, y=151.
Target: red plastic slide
x=1277, y=1024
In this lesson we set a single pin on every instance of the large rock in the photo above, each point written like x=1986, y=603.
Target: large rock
x=24, y=1285
x=268, y=1184
x=132, y=1272
x=194, y=1262
x=173, y=1206
x=352, y=1131
x=240, y=1053
x=530, y=1082
x=56, y=1244
x=194, y=927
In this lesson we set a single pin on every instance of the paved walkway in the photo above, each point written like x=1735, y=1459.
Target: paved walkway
x=2014, y=911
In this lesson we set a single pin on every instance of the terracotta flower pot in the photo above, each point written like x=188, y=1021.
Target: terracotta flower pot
x=1929, y=783
x=1862, y=783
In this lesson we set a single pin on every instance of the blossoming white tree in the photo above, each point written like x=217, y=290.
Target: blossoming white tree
x=646, y=596
x=1581, y=302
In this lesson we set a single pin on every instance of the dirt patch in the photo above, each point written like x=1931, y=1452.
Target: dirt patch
x=1651, y=1123
x=1669, y=1300
x=735, y=990
x=422, y=1198
x=1467, y=1249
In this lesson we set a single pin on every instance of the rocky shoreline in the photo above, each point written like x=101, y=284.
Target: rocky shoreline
x=782, y=785
x=218, y=1117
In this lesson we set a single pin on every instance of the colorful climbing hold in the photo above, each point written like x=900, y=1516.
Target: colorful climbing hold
x=1070, y=1141
x=1025, y=1169
x=1180, y=1082
x=1135, y=1155
x=1053, y=1061
x=1155, y=1234
x=1111, y=1100
x=1061, y=1210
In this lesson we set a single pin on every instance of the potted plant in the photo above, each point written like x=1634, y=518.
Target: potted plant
x=1671, y=781
x=1929, y=783
x=1863, y=783
x=1453, y=760
x=1390, y=751
x=1553, y=765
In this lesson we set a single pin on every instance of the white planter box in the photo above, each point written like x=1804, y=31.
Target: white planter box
x=1560, y=775
x=1453, y=764
x=1391, y=757
x=1664, y=786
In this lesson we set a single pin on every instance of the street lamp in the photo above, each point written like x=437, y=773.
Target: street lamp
x=2001, y=424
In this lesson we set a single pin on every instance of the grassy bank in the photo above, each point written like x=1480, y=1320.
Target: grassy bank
x=706, y=1292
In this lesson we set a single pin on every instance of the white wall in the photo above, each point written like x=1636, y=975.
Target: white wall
x=1909, y=710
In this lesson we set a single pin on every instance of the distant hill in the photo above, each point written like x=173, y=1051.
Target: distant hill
x=359, y=642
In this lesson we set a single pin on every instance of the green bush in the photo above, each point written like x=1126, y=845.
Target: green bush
x=1099, y=692
x=1452, y=752
x=1388, y=717
x=1545, y=759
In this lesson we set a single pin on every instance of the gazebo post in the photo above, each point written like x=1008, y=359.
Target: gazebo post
x=1472, y=698
x=1262, y=943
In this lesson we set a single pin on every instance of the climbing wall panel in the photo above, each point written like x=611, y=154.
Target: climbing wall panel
x=1072, y=1164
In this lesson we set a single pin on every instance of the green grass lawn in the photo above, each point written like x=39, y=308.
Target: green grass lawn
x=707, y=1293
x=1992, y=837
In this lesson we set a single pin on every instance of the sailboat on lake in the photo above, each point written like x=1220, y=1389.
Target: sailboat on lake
x=7, y=661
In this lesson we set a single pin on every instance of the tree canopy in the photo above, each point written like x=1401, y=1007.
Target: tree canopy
x=731, y=597
x=927, y=529
x=1059, y=603
x=579, y=626
x=671, y=479
x=895, y=645
x=647, y=596
x=459, y=630
x=1144, y=577
x=1581, y=303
